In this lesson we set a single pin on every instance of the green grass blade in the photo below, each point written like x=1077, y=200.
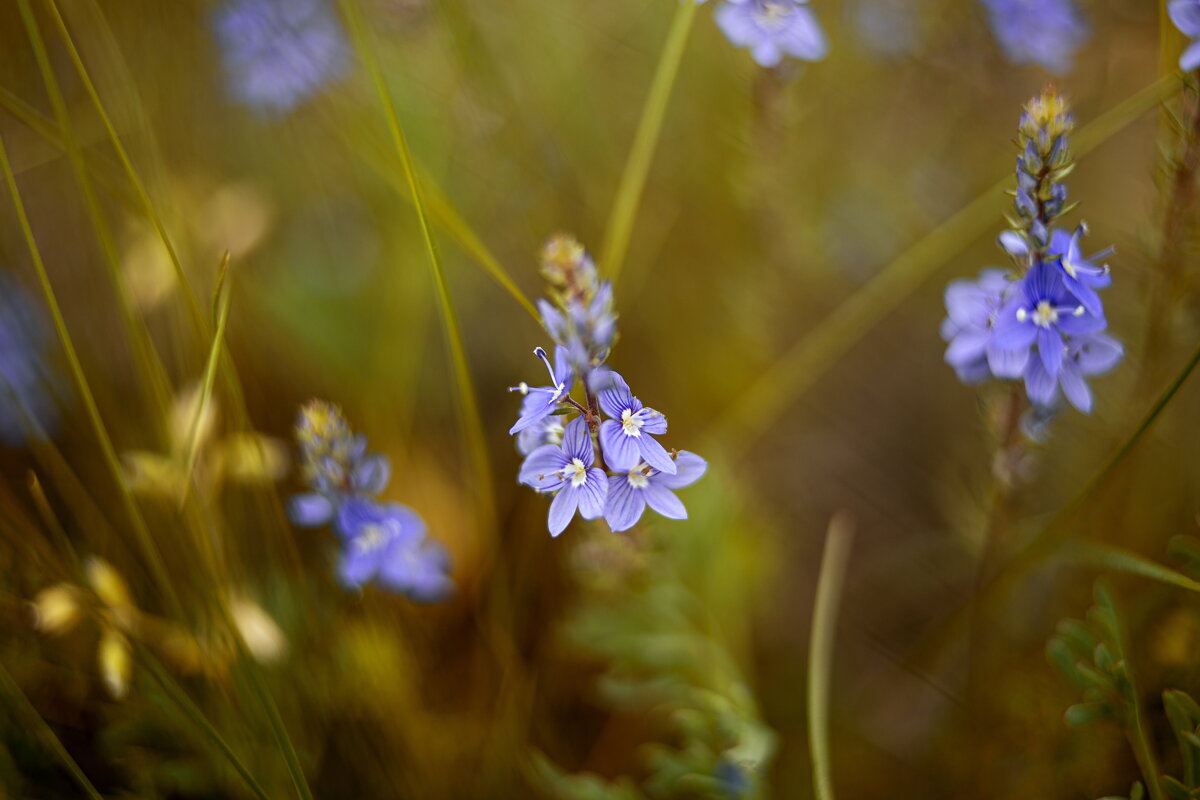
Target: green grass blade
x=278, y=730
x=193, y=713
x=820, y=651
x=1116, y=559
x=468, y=407
x=145, y=541
x=139, y=188
x=147, y=358
x=221, y=313
x=801, y=366
x=641, y=154
x=46, y=733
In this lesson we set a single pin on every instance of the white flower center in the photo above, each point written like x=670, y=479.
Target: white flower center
x=773, y=14
x=631, y=423
x=554, y=431
x=1045, y=314
x=575, y=472
x=638, y=479
x=371, y=539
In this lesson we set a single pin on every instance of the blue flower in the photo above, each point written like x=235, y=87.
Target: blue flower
x=568, y=470
x=1044, y=32
x=541, y=401
x=334, y=463
x=548, y=431
x=1081, y=277
x=1042, y=310
x=972, y=308
x=386, y=541
x=1186, y=16
x=630, y=492
x=1084, y=356
x=27, y=384
x=628, y=437
x=772, y=29
x=581, y=316
x=279, y=53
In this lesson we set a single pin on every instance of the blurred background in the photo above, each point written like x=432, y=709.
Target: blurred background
x=779, y=301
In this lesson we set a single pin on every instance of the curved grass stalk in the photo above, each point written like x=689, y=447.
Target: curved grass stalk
x=145, y=354
x=799, y=367
x=469, y=414
x=820, y=650
x=141, y=531
x=143, y=197
x=641, y=154
x=46, y=733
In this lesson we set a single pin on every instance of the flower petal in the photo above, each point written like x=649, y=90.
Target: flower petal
x=617, y=397
x=1040, y=385
x=1007, y=363
x=624, y=505
x=309, y=510
x=1097, y=354
x=654, y=422
x=593, y=493
x=969, y=345
x=540, y=469
x=1076, y=388
x=577, y=441
x=563, y=509
x=620, y=450
x=664, y=501
x=1050, y=348
x=689, y=468
x=371, y=475
x=655, y=455
x=1010, y=333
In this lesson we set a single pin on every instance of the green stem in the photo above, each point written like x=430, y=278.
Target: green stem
x=820, y=651
x=641, y=154
x=468, y=407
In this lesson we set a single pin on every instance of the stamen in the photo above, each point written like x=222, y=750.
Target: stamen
x=1022, y=315
x=1078, y=311
x=540, y=353
x=521, y=387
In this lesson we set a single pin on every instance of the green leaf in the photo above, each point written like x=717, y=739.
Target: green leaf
x=1083, y=713
x=1113, y=558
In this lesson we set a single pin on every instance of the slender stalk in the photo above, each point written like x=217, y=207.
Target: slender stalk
x=46, y=733
x=820, y=651
x=141, y=532
x=470, y=416
x=1143, y=751
x=641, y=154
x=800, y=367
x=278, y=729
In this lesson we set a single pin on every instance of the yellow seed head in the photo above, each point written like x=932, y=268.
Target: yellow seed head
x=56, y=609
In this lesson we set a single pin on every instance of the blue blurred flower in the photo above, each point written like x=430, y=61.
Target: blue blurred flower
x=630, y=492
x=386, y=541
x=628, y=437
x=27, y=385
x=1081, y=277
x=568, y=470
x=1186, y=16
x=1043, y=311
x=1044, y=32
x=1084, y=356
x=540, y=402
x=971, y=309
x=772, y=29
x=279, y=53
x=581, y=317
x=335, y=464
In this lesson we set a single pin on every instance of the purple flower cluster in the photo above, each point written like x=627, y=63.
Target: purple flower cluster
x=772, y=29
x=27, y=385
x=1043, y=32
x=1186, y=16
x=279, y=53
x=384, y=541
x=1044, y=321
x=611, y=427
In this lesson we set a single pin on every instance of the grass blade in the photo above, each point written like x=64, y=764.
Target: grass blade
x=820, y=651
x=1108, y=557
x=801, y=366
x=645, y=139
x=142, y=533
x=46, y=733
x=468, y=407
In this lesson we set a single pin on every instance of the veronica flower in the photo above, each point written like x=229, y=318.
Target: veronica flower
x=548, y=431
x=335, y=464
x=1044, y=32
x=544, y=398
x=27, y=384
x=771, y=29
x=1081, y=277
x=972, y=308
x=630, y=492
x=568, y=470
x=1042, y=310
x=628, y=437
x=387, y=542
x=1084, y=356
x=1186, y=16
x=278, y=53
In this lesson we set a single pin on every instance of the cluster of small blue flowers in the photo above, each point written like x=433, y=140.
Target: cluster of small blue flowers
x=1186, y=16
x=1044, y=321
x=27, y=386
x=772, y=29
x=1043, y=32
x=279, y=53
x=380, y=540
x=561, y=459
